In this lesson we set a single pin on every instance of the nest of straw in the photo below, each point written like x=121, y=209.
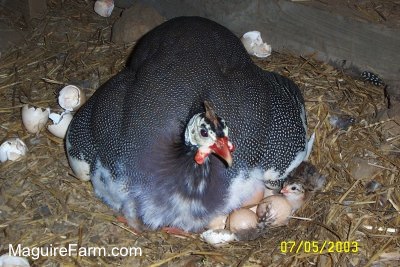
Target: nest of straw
x=42, y=204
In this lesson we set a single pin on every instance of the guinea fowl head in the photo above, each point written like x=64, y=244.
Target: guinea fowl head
x=294, y=193
x=209, y=134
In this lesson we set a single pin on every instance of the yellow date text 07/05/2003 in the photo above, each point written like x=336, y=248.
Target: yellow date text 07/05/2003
x=319, y=246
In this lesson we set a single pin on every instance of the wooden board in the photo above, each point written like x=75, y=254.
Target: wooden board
x=28, y=8
x=336, y=36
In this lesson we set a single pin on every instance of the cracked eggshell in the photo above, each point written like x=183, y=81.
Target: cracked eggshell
x=34, y=119
x=218, y=237
x=12, y=149
x=13, y=261
x=254, y=44
x=71, y=98
x=60, y=124
x=104, y=8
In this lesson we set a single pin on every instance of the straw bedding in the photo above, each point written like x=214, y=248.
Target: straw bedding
x=42, y=204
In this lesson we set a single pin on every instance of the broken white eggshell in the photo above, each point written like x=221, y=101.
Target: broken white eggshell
x=71, y=98
x=218, y=237
x=34, y=119
x=12, y=149
x=254, y=44
x=104, y=8
x=60, y=124
x=13, y=261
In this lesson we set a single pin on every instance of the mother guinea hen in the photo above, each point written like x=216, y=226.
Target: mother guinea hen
x=154, y=139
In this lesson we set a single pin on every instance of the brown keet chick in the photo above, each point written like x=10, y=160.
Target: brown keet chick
x=275, y=210
x=307, y=175
x=300, y=184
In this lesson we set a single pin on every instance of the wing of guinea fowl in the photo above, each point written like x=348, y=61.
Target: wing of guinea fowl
x=181, y=69
x=96, y=126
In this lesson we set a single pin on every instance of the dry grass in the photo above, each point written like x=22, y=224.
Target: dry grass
x=41, y=203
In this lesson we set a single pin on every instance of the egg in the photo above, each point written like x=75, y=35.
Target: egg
x=34, y=119
x=104, y=8
x=276, y=209
x=60, y=124
x=71, y=98
x=242, y=219
x=254, y=199
x=218, y=222
x=12, y=149
x=254, y=44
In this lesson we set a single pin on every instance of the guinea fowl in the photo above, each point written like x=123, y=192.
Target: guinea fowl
x=140, y=137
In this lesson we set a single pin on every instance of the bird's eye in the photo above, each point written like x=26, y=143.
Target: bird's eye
x=204, y=132
x=293, y=188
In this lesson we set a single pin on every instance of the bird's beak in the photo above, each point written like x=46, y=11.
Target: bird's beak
x=284, y=190
x=223, y=148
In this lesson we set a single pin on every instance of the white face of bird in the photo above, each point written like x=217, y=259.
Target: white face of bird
x=293, y=191
x=199, y=132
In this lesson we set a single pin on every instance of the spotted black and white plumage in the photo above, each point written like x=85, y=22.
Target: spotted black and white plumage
x=129, y=138
x=372, y=78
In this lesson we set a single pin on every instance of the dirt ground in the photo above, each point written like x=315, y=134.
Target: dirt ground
x=43, y=205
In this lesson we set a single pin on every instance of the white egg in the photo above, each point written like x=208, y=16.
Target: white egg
x=104, y=8
x=34, y=119
x=71, y=98
x=12, y=149
x=13, y=261
x=254, y=44
x=60, y=124
x=242, y=219
x=218, y=237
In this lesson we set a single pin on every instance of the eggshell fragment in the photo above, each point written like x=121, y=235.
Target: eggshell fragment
x=34, y=119
x=12, y=149
x=60, y=124
x=242, y=219
x=254, y=44
x=218, y=237
x=71, y=98
x=104, y=8
x=13, y=261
